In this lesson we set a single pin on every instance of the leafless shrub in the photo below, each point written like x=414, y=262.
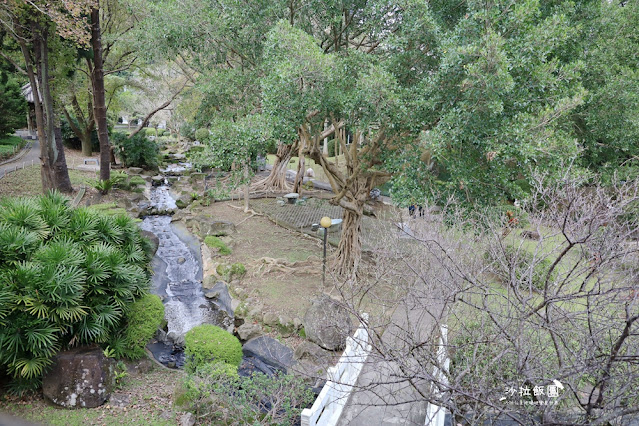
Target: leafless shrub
x=523, y=315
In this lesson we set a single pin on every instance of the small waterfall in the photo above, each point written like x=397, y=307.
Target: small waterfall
x=177, y=271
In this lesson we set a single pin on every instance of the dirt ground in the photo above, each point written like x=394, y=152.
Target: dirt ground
x=281, y=290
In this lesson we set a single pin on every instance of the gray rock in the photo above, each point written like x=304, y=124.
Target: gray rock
x=206, y=226
x=327, y=323
x=235, y=304
x=210, y=281
x=157, y=180
x=220, y=301
x=311, y=352
x=136, y=197
x=297, y=323
x=142, y=366
x=240, y=292
x=249, y=331
x=181, y=260
x=80, y=377
x=270, y=319
x=255, y=310
x=120, y=400
x=270, y=351
x=155, y=241
x=135, y=170
x=187, y=419
x=184, y=200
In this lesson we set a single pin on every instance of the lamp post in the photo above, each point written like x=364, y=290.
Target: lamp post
x=325, y=222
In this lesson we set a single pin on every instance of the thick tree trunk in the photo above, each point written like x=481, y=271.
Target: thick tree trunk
x=349, y=250
x=81, y=130
x=99, y=102
x=53, y=170
x=276, y=180
x=34, y=81
x=61, y=172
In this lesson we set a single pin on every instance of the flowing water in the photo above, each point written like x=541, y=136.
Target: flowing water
x=177, y=278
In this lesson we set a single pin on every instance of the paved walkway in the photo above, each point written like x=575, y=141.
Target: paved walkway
x=381, y=396
x=26, y=158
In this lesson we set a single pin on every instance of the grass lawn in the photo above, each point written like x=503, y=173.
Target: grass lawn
x=28, y=182
x=9, y=145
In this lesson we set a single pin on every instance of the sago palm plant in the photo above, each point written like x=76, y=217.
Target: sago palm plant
x=67, y=277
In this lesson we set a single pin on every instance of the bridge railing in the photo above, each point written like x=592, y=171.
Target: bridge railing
x=436, y=415
x=341, y=379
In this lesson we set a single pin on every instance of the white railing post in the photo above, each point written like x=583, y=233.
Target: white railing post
x=436, y=415
x=340, y=380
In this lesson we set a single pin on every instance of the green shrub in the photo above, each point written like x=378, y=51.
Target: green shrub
x=331, y=148
x=229, y=271
x=151, y=131
x=195, y=149
x=215, y=242
x=67, y=277
x=207, y=343
x=137, y=151
x=237, y=270
x=271, y=146
x=222, y=270
x=104, y=186
x=13, y=106
x=217, y=396
x=202, y=134
x=142, y=321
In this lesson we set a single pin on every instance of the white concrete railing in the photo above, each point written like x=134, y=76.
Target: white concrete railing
x=328, y=406
x=436, y=415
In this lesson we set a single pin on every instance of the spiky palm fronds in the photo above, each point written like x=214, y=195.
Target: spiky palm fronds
x=16, y=243
x=109, y=230
x=67, y=276
x=55, y=211
x=24, y=214
x=82, y=227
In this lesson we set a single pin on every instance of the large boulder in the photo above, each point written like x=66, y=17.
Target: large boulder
x=80, y=377
x=248, y=331
x=207, y=226
x=220, y=302
x=270, y=352
x=155, y=241
x=327, y=323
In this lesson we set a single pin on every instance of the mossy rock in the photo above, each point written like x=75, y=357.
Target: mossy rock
x=144, y=318
x=214, y=242
x=208, y=343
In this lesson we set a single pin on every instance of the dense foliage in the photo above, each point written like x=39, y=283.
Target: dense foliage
x=136, y=151
x=208, y=343
x=68, y=276
x=216, y=394
x=13, y=106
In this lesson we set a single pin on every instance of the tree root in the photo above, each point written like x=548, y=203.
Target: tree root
x=267, y=265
